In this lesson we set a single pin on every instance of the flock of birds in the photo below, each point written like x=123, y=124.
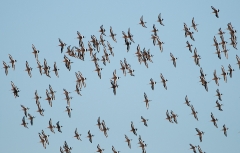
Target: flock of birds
x=144, y=56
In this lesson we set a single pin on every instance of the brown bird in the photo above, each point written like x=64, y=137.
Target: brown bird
x=215, y=78
x=128, y=141
x=77, y=135
x=225, y=130
x=219, y=106
x=215, y=11
x=199, y=133
x=173, y=59
x=61, y=44
x=24, y=122
x=133, y=130
x=142, y=22
x=28, y=69
x=31, y=118
x=144, y=121
x=163, y=81
x=5, y=66
x=12, y=61
x=152, y=83
x=187, y=101
x=90, y=136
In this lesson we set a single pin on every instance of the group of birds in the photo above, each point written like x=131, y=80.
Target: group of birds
x=143, y=56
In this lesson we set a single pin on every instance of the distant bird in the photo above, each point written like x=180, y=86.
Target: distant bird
x=99, y=149
x=193, y=148
x=102, y=30
x=31, y=118
x=24, y=122
x=189, y=46
x=224, y=74
x=160, y=20
x=194, y=25
x=146, y=100
x=80, y=37
x=214, y=120
x=58, y=126
x=225, y=130
x=69, y=110
x=51, y=127
x=219, y=95
x=112, y=34
x=169, y=117
x=12, y=61
x=128, y=141
x=90, y=136
x=55, y=69
x=5, y=66
x=230, y=70
x=199, y=133
x=144, y=121
x=114, y=87
x=163, y=81
x=215, y=11
x=28, y=69
x=173, y=59
x=35, y=51
x=219, y=106
x=215, y=78
x=133, y=129
x=238, y=61
x=77, y=135
x=61, y=44
x=25, y=110
x=187, y=102
x=142, y=22
x=174, y=117
x=152, y=83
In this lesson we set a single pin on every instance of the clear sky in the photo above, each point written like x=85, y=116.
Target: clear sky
x=41, y=23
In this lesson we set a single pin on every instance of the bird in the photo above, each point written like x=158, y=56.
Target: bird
x=31, y=118
x=144, y=121
x=160, y=20
x=24, y=123
x=90, y=136
x=194, y=25
x=189, y=46
x=187, y=102
x=219, y=106
x=173, y=59
x=215, y=78
x=163, y=81
x=224, y=74
x=146, y=100
x=215, y=11
x=51, y=127
x=5, y=66
x=214, y=120
x=12, y=61
x=128, y=141
x=61, y=44
x=28, y=69
x=58, y=126
x=25, y=110
x=199, y=133
x=142, y=22
x=69, y=111
x=193, y=148
x=225, y=130
x=133, y=129
x=219, y=95
x=152, y=83
x=77, y=135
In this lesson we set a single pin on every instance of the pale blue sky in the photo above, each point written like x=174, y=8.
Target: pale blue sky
x=41, y=23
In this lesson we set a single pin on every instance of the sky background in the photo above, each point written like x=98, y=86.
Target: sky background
x=41, y=23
